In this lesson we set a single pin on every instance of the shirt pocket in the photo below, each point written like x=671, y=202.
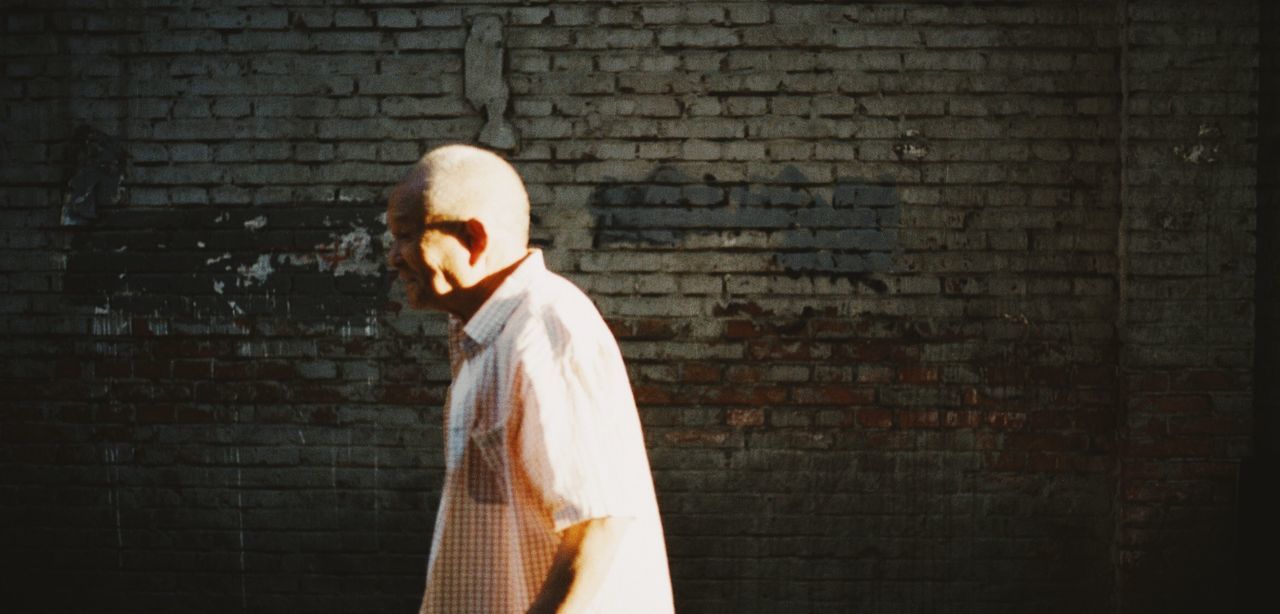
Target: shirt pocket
x=487, y=475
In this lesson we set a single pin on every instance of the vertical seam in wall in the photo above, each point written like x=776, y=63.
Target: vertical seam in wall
x=1121, y=325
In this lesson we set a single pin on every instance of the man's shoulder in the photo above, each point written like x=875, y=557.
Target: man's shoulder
x=556, y=311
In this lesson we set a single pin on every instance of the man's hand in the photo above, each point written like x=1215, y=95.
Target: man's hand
x=580, y=566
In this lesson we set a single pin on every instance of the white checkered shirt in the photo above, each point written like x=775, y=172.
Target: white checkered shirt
x=541, y=433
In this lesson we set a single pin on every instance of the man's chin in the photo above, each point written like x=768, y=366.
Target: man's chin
x=421, y=299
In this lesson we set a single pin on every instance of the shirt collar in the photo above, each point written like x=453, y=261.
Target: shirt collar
x=487, y=321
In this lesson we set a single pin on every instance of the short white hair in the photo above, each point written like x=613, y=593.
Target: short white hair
x=461, y=182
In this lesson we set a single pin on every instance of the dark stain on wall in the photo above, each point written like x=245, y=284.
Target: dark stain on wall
x=849, y=229
x=309, y=264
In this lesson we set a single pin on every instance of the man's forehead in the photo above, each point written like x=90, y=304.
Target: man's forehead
x=405, y=207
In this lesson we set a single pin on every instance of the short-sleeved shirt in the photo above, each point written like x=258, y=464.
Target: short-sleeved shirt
x=541, y=433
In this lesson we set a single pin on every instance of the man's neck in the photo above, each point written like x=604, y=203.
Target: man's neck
x=473, y=298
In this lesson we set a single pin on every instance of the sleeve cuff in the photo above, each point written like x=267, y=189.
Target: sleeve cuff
x=570, y=515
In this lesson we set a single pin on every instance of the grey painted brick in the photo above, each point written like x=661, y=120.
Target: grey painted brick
x=597, y=38
x=268, y=19
x=396, y=18
x=690, y=36
x=227, y=19
x=352, y=18
x=431, y=39
x=314, y=18
x=662, y=14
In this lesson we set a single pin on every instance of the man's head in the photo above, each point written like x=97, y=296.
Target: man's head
x=457, y=217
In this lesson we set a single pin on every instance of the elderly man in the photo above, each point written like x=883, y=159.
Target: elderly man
x=548, y=503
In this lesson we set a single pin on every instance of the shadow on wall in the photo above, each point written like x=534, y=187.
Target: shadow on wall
x=849, y=229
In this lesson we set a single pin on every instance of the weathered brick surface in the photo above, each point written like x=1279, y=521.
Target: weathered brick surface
x=929, y=307
x=1188, y=298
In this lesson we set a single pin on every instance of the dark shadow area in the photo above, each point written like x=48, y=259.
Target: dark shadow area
x=1258, y=535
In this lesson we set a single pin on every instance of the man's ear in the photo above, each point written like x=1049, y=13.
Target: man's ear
x=477, y=239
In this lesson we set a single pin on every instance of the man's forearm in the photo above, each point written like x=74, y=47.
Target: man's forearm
x=580, y=566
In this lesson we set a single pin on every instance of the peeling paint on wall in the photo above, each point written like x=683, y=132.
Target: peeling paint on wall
x=485, y=82
x=351, y=252
x=1206, y=149
x=99, y=176
x=258, y=272
x=911, y=146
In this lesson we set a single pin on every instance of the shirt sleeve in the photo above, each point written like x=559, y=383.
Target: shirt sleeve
x=577, y=429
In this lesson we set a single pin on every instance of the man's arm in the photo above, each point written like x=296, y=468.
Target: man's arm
x=580, y=566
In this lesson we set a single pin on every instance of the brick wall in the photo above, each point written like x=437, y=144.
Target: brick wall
x=1187, y=292
x=930, y=307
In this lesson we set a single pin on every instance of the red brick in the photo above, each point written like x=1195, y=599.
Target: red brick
x=150, y=414
x=918, y=375
x=744, y=417
x=647, y=394
x=1044, y=441
x=829, y=328
x=275, y=370
x=1043, y=462
x=152, y=369
x=872, y=374
x=1005, y=461
x=1172, y=448
x=406, y=394
x=192, y=369
x=1206, y=380
x=1004, y=420
x=741, y=329
x=918, y=418
x=696, y=437
x=875, y=351
x=654, y=328
x=620, y=328
x=1005, y=375
x=315, y=392
x=1208, y=425
x=324, y=415
x=1039, y=420
x=1052, y=376
x=223, y=370
x=1172, y=403
x=743, y=373
x=68, y=368
x=833, y=395
x=875, y=418
x=745, y=395
x=190, y=415
x=1148, y=382
x=780, y=350
x=1096, y=422
x=111, y=369
x=962, y=418
x=700, y=372
x=1229, y=471
x=1094, y=376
